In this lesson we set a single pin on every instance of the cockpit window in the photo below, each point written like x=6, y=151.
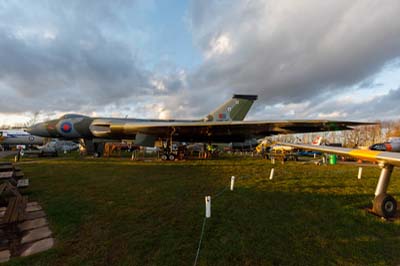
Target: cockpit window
x=69, y=116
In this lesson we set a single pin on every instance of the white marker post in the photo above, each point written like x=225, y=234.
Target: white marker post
x=271, y=175
x=273, y=160
x=208, y=206
x=359, y=172
x=232, y=182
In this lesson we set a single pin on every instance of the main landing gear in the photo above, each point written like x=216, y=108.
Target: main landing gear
x=167, y=149
x=384, y=204
x=168, y=156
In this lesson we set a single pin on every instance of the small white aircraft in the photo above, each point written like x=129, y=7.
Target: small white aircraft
x=19, y=137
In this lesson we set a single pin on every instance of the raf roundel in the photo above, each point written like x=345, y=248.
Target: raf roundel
x=66, y=127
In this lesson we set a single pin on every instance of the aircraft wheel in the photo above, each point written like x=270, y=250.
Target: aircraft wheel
x=171, y=157
x=385, y=205
x=164, y=157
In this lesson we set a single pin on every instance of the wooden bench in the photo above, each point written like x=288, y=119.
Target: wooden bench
x=7, y=190
x=21, y=182
x=5, y=168
x=6, y=175
x=14, y=175
x=18, y=175
x=15, y=211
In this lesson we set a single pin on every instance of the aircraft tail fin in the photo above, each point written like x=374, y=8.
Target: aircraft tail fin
x=234, y=109
x=317, y=141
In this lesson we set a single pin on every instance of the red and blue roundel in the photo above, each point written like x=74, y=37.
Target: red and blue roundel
x=66, y=127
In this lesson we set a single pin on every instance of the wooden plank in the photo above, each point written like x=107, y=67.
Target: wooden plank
x=32, y=203
x=5, y=255
x=21, y=208
x=33, y=208
x=4, y=243
x=3, y=186
x=6, y=168
x=37, y=247
x=34, y=215
x=9, y=211
x=22, y=183
x=19, y=174
x=14, y=190
x=6, y=175
x=15, y=212
x=14, y=245
x=32, y=224
x=12, y=181
x=7, y=187
x=36, y=234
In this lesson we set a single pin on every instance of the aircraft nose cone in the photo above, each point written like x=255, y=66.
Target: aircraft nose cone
x=38, y=130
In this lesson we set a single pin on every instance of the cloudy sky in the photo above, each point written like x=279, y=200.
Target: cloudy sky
x=306, y=59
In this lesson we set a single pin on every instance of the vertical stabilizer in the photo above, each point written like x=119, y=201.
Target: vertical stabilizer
x=317, y=141
x=234, y=109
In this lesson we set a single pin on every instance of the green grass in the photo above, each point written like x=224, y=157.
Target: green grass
x=119, y=212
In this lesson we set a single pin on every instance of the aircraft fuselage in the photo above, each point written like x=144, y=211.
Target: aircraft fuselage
x=19, y=137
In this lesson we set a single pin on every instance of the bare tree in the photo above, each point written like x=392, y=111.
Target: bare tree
x=31, y=121
x=393, y=129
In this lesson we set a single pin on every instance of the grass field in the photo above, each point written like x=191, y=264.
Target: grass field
x=119, y=212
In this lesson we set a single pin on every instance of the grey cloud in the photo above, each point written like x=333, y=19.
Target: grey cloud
x=288, y=52
x=369, y=84
x=383, y=107
x=77, y=63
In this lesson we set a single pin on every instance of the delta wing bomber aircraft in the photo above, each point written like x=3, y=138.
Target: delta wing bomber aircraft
x=384, y=204
x=224, y=125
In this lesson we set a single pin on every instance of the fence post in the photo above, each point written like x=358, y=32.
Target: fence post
x=271, y=175
x=208, y=206
x=359, y=172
